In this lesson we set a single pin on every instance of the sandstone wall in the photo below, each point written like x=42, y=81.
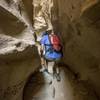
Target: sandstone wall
x=18, y=55
x=78, y=23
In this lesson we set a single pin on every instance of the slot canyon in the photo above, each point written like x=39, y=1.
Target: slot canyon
x=77, y=22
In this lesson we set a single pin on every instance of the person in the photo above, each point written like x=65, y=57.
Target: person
x=37, y=37
x=42, y=52
x=49, y=53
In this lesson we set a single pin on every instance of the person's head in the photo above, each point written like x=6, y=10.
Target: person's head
x=49, y=31
x=52, y=32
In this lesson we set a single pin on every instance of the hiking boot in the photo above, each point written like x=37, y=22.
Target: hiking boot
x=50, y=82
x=47, y=77
x=58, y=77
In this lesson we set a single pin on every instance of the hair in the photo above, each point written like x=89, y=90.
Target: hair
x=49, y=31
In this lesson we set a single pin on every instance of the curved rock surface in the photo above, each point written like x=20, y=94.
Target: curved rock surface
x=18, y=55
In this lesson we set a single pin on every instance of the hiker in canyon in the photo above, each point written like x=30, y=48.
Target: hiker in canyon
x=51, y=53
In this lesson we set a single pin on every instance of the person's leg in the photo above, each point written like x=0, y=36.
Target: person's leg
x=57, y=66
x=57, y=73
x=43, y=64
x=57, y=70
x=42, y=61
x=51, y=67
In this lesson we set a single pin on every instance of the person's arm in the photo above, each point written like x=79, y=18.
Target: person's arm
x=42, y=42
x=41, y=50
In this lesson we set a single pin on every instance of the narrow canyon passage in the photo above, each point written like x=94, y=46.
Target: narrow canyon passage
x=69, y=88
x=77, y=22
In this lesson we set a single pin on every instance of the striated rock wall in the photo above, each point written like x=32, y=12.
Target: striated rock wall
x=78, y=22
x=42, y=14
x=18, y=55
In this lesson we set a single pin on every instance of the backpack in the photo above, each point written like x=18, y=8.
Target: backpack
x=55, y=42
